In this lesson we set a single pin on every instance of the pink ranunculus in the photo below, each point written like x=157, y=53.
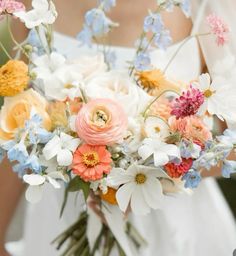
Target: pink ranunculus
x=10, y=7
x=101, y=122
x=219, y=28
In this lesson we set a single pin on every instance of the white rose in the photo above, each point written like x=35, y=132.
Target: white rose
x=118, y=86
x=90, y=65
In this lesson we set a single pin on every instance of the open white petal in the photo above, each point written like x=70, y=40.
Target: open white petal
x=34, y=179
x=138, y=204
x=34, y=194
x=145, y=151
x=160, y=158
x=53, y=182
x=52, y=148
x=123, y=195
x=64, y=157
x=152, y=191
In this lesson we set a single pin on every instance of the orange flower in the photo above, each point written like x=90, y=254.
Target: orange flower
x=13, y=78
x=110, y=196
x=155, y=82
x=91, y=162
x=161, y=108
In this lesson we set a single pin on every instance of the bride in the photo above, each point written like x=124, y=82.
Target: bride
x=200, y=224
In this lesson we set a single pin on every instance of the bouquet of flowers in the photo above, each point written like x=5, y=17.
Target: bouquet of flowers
x=125, y=138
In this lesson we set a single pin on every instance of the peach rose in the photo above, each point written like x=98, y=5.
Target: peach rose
x=16, y=110
x=101, y=122
x=191, y=127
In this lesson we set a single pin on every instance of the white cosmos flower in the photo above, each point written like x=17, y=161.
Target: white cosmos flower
x=118, y=86
x=62, y=147
x=43, y=12
x=162, y=152
x=36, y=183
x=156, y=127
x=219, y=97
x=139, y=187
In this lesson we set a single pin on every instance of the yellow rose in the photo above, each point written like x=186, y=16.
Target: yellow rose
x=16, y=110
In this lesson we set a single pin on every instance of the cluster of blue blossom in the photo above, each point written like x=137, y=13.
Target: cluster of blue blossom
x=213, y=153
x=161, y=37
x=27, y=140
x=97, y=24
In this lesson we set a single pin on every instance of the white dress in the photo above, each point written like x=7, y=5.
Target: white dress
x=196, y=225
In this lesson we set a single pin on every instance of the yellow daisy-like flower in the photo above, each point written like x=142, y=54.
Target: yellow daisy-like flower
x=13, y=78
x=110, y=196
x=155, y=82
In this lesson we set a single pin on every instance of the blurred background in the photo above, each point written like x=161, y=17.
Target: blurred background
x=228, y=186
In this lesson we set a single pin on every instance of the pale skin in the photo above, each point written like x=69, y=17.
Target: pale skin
x=130, y=15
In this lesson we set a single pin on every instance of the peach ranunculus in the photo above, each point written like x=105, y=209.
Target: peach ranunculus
x=16, y=110
x=101, y=122
x=191, y=127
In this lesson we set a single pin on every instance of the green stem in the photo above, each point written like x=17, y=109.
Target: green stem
x=14, y=40
x=180, y=47
x=5, y=51
x=47, y=51
x=155, y=99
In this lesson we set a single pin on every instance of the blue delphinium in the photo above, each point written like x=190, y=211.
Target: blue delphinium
x=186, y=7
x=18, y=153
x=37, y=134
x=163, y=39
x=229, y=167
x=153, y=22
x=142, y=62
x=188, y=149
x=192, y=179
x=107, y=4
x=228, y=137
x=85, y=36
x=110, y=58
x=33, y=40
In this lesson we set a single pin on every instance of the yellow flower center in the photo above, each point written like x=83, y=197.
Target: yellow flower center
x=68, y=86
x=157, y=129
x=90, y=159
x=140, y=178
x=100, y=117
x=208, y=93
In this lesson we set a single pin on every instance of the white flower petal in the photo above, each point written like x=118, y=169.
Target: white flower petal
x=53, y=182
x=34, y=194
x=160, y=158
x=34, y=179
x=138, y=203
x=145, y=151
x=52, y=148
x=123, y=195
x=64, y=157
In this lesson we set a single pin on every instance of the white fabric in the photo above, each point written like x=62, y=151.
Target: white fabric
x=201, y=224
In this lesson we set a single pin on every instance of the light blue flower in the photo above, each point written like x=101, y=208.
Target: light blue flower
x=8, y=145
x=98, y=22
x=31, y=163
x=18, y=153
x=107, y=4
x=33, y=40
x=186, y=7
x=37, y=134
x=142, y=62
x=188, y=149
x=228, y=168
x=142, y=44
x=85, y=36
x=163, y=39
x=153, y=22
x=192, y=179
x=228, y=137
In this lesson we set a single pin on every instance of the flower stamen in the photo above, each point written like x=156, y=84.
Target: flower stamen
x=140, y=178
x=91, y=159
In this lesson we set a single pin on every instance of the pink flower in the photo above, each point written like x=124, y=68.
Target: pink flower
x=191, y=128
x=10, y=7
x=219, y=28
x=101, y=122
x=91, y=162
x=188, y=103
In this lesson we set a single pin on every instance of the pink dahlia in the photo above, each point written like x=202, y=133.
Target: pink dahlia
x=188, y=103
x=219, y=28
x=178, y=170
x=91, y=162
x=10, y=7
